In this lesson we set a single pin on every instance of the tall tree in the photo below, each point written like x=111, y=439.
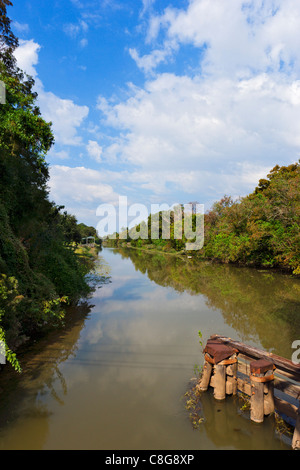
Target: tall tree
x=8, y=41
x=37, y=269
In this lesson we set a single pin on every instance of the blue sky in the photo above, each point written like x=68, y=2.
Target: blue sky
x=162, y=101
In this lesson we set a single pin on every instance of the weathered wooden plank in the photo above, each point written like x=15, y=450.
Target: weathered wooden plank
x=281, y=406
x=219, y=381
x=285, y=382
x=244, y=386
x=296, y=436
x=281, y=363
x=280, y=383
x=257, y=402
x=285, y=408
x=206, y=376
x=287, y=387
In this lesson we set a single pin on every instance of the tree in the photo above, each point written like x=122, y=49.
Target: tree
x=262, y=228
x=8, y=41
x=38, y=270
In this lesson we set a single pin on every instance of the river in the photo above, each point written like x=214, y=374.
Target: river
x=115, y=377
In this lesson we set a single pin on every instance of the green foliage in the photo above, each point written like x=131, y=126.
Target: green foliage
x=86, y=231
x=193, y=404
x=40, y=271
x=9, y=299
x=200, y=337
x=261, y=229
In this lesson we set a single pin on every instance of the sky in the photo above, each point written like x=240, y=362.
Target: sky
x=162, y=101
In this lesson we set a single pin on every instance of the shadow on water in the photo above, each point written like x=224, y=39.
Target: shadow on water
x=227, y=426
x=261, y=305
x=41, y=372
x=21, y=396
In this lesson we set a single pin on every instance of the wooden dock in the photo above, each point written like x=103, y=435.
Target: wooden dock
x=271, y=382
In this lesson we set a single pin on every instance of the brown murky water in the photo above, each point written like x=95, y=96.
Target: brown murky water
x=115, y=377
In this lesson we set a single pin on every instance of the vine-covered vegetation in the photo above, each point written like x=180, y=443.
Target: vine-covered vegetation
x=261, y=229
x=39, y=270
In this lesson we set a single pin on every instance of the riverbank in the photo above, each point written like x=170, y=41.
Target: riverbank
x=52, y=314
x=259, y=230
x=195, y=256
x=138, y=334
x=87, y=255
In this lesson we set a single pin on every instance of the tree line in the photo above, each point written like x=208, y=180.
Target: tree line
x=261, y=229
x=40, y=272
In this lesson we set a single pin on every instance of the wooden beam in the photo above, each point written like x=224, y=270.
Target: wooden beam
x=296, y=436
x=285, y=365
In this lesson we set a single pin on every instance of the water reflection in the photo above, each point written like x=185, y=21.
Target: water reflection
x=262, y=306
x=24, y=398
x=227, y=428
x=115, y=376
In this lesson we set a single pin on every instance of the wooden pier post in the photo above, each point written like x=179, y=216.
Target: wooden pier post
x=220, y=369
x=261, y=376
x=231, y=376
x=269, y=402
x=206, y=376
x=219, y=381
x=287, y=381
x=296, y=435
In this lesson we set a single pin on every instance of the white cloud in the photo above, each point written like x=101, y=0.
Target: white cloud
x=240, y=37
x=74, y=29
x=27, y=56
x=77, y=30
x=175, y=121
x=83, y=43
x=147, y=4
x=216, y=131
x=65, y=115
x=233, y=119
x=61, y=154
x=81, y=190
x=193, y=134
x=150, y=61
x=21, y=27
x=80, y=184
x=94, y=150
